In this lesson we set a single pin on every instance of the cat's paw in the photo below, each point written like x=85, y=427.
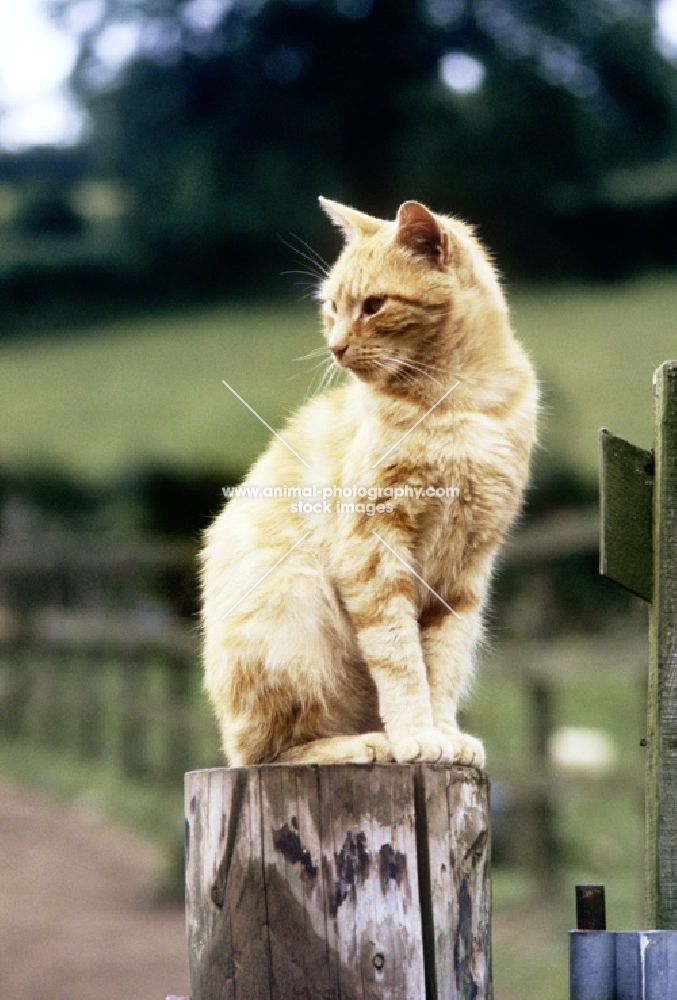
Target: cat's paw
x=374, y=748
x=467, y=750
x=423, y=745
x=432, y=745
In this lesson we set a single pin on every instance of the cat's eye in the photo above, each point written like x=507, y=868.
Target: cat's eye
x=373, y=304
x=330, y=306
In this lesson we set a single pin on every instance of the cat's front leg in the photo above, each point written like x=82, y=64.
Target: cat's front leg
x=383, y=613
x=448, y=639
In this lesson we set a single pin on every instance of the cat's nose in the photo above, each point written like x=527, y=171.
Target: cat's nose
x=338, y=352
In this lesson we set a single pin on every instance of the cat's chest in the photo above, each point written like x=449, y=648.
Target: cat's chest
x=417, y=445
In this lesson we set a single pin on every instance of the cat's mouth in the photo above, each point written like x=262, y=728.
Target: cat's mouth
x=369, y=366
x=362, y=367
x=347, y=357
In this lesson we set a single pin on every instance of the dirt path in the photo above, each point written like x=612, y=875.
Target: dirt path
x=77, y=917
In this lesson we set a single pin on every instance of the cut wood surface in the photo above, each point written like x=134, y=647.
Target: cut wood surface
x=345, y=881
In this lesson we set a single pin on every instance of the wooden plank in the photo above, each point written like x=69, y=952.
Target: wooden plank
x=241, y=882
x=457, y=807
x=78, y=551
x=133, y=748
x=295, y=899
x=179, y=745
x=471, y=840
x=392, y=948
x=436, y=877
x=626, y=499
x=370, y=866
x=661, y=804
x=226, y=919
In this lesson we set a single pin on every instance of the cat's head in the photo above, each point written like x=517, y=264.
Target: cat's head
x=401, y=304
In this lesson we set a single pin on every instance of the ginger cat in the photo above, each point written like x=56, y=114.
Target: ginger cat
x=344, y=629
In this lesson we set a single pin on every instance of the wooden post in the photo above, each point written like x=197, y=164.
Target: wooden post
x=338, y=882
x=661, y=801
x=638, y=498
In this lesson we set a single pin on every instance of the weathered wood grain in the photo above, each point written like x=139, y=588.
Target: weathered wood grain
x=338, y=882
x=457, y=838
x=661, y=799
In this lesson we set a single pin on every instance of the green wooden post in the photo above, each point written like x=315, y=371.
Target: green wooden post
x=661, y=800
x=638, y=549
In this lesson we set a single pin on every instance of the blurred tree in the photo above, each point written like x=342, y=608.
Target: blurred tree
x=226, y=118
x=49, y=215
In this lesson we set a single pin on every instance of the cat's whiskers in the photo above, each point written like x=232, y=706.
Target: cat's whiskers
x=427, y=365
x=331, y=372
x=302, y=270
x=412, y=367
x=316, y=271
x=326, y=369
x=314, y=255
x=409, y=380
x=320, y=268
x=321, y=372
x=309, y=371
x=432, y=368
x=312, y=354
x=404, y=365
x=312, y=287
x=396, y=371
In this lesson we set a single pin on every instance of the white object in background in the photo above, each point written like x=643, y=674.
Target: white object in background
x=578, y=749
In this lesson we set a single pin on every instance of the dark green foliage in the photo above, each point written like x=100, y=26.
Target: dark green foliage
x=156, y=500
x=49, y=216
x=179, y=504
x=226, y=136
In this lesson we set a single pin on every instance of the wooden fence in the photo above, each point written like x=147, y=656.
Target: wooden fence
x=94, y=657
x=99, y=655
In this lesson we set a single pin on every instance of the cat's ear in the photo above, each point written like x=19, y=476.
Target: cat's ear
x=419, y=232
x=352, y=224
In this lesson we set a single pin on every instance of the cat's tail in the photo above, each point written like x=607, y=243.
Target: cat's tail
x=364, y=748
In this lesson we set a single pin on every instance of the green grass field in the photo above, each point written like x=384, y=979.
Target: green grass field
x=97, y=401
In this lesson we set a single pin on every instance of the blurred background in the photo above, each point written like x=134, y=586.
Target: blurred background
x=160, y=162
